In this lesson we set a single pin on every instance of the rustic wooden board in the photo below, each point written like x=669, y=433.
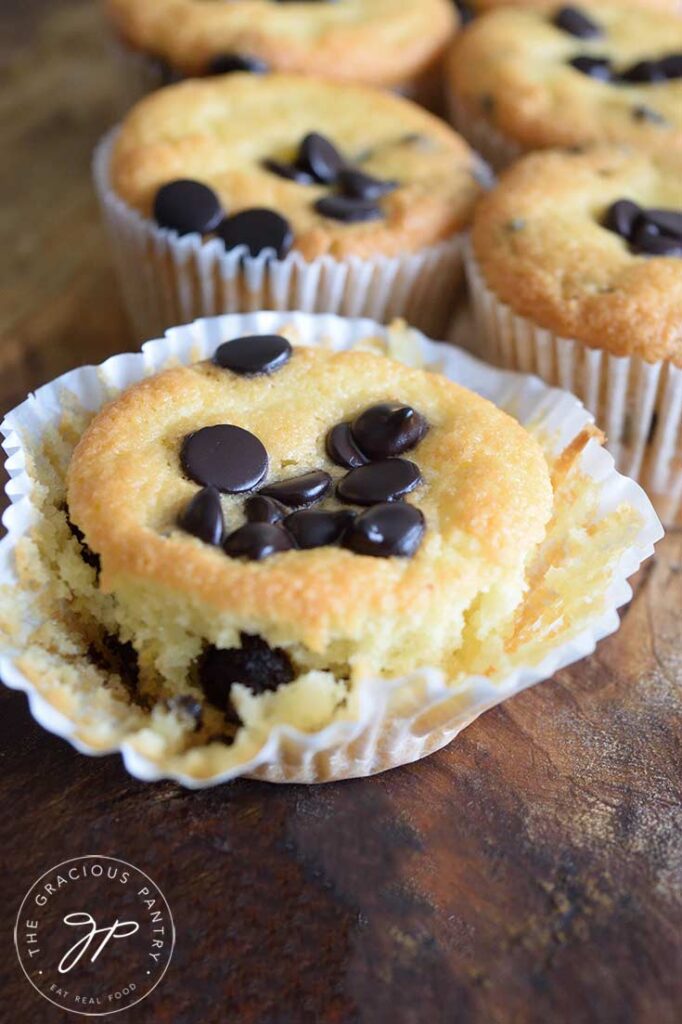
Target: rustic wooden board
x=529, y=873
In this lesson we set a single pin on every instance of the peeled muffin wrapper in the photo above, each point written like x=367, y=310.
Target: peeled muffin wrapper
x=602, y=528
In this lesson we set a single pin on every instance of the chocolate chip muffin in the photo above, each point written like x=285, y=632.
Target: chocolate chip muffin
x=577, y=275
x=261, y=531
x=245, y=192
x=535, y=78
x=387, y=43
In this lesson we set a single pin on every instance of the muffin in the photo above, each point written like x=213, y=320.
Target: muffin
x=395, y=44
x=480, y=6
x=535, y=78
x=245, y=192
x=576, y=274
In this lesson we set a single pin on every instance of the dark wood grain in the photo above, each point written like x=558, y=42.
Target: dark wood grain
x=529, y=873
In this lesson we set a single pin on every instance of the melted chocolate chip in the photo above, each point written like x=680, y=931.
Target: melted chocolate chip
x=388, y=480
x=257, y=229
x=671, y=65
x=595, y=67
x=669, y=222
x=466, y=12
x=259, y=509
x=300, y=491
x=254, y=355
x=203, y=517
x=256, y=541
x=289, y=171
x=312, y=528
x=187, y=206
x=644, y=113
x=116, y=655
x=358, y=185
x=648, y=239
x=621, y=216
x=644, y=71
x=348, y=209
x=186, y=706
x=224, y=456
x=226, y=63
x=87, y=554
x=255, y=665
x=320, y=157
x=388, y=429
x=385, y=531
x=576, y=23
x=342, y=449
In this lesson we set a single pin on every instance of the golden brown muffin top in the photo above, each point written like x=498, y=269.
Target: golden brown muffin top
x=380, y=42
x=541, y=242
x=220, y=131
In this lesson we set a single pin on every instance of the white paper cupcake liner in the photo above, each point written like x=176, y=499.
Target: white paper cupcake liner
x=637, y=404
x=397, y=720
x=168, y=279
x=491, y=144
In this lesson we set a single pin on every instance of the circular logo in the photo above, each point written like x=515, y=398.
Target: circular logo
x=94, y=935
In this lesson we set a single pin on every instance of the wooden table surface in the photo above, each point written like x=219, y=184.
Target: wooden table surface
x=529, y=873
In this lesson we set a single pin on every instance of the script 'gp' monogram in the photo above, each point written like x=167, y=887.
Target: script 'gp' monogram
x=118, y=930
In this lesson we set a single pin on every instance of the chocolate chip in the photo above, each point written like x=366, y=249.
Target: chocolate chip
x=203, y=517
x=390, y=428
x=87, y=554
x=385, y=531
x=186, y=706
x=255, y=665
x=187, y=206
x=256, y=541
x=669, y=222
x=289, y=171
x=253, y=355
x=595, y=67
x=224, y=456
x=300, y=491
x=576, y=23
x=621, y=216
x=379, y=481
x=466, y=13
x=644, y=113
x=358, y=185
x=312, y=528
x=120, y=657
x=257, y=229
x=671, y=66
x=320, y=157
x=342, y=449
x=644, y=71
x=226, y=63
x=648, y=239
x=264, y=510
x=347, y=209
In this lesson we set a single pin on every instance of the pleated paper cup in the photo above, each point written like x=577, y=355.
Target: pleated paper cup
x=495, y=148
x=636, y=403
x=167, y=279
x=603, y=527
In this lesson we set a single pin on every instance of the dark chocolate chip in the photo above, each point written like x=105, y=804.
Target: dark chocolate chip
x=226, y=63
x=289, y=171
x=358, y=185
x=253, y=355
x=388, y=429
x=347, y=209
x=669, y=222
x=203, y=517
x=300, y=491
x=342, y=449
x=255, y=665
x=595, y=67
x=320, y=157
x=121, y=657
x=186, y=706
x=649, y=71
x=226, y=457
x=648, y=239
x=259, y=509
x=466, y=12
x=576, y=23
x=312, y=528
x=87, y=554
x=644, y=113
x=388, y=480
x=385, y=531
x=257, y=229
x=187, y=206
x=256, y=541
x=621, y=216
x=671, y=66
